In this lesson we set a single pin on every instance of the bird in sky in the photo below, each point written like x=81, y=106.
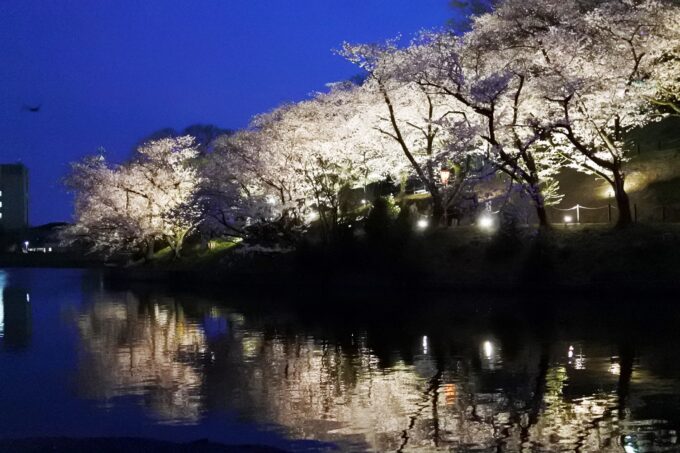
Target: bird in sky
x=33, y=109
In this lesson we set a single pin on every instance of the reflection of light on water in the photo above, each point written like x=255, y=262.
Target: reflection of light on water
x=3, y=283
x=629, y=445
x=488, y=349
x=450, y=391
x=251, y=345
x=323, y=390
x=629, y=449
x=490, y=356
x=149, y=352
x=577, y=360
x=580, y=362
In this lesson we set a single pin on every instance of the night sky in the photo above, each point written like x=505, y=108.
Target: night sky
x=109, y=73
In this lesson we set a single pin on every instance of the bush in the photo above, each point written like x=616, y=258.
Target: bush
x=378, y=222
x=508, y=240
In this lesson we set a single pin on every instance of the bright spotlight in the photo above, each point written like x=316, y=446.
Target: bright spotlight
x=568, y=219
x=422, y=224
x=485, y=222
x=488, y=349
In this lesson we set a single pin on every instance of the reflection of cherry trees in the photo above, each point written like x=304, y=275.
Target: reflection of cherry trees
x=148, y=351
x=537, y=399
x=328, y=392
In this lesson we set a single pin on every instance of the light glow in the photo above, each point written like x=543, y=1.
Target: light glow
x=445, y=173
x=485, y=222
x=488, y=349
x=422, y=224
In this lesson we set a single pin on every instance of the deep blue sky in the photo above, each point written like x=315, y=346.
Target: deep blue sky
x=111, y=72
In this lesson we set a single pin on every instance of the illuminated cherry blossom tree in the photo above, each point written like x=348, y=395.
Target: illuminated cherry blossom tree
x=128, y=207
x=595, y=67
x=489, y=91
x=429, y=134
x=293, y=163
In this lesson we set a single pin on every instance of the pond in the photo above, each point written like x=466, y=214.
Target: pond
x=415, y=372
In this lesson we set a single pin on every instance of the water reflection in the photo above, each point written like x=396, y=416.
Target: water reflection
x=15, y=315
x=150, y=350
x=456, y=392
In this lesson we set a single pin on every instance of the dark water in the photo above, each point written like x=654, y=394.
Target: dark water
x=451, y=373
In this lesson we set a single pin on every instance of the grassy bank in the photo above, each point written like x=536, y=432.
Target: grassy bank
x=591, y=257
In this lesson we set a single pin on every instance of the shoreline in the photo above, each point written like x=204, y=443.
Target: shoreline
x=575, y=260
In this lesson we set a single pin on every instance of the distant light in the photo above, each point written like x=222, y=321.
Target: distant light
x=49, y=249
x=615, y=369
x=363, y=201
x=485, y=222
x=424, y=344
x=570, y=354
x=28, y=297
x=488, y=349
x=422, y=224
x=26, y=244
x=568, y=219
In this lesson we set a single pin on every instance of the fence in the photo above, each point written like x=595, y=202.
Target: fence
x=666, y=213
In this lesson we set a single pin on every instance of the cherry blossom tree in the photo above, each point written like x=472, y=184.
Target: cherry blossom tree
x=490, y=90
x=102, y=214
x=300, y=157
x=432, y=138
x=596, y=66
x=129, y=207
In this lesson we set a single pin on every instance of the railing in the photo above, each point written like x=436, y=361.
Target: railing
x=665, y=213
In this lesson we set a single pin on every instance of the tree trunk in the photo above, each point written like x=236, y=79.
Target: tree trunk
x=542, y=216
x=539, y=204
x=622, y=201
x=437, y=209
x=149, y=250
x=179, y=244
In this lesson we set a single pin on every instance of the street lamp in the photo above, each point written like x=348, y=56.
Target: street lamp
x=568, y=219
x=422, y=224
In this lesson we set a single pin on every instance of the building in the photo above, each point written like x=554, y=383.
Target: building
x=13, y=197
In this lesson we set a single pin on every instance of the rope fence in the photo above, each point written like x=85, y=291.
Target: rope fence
x=658, y=213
